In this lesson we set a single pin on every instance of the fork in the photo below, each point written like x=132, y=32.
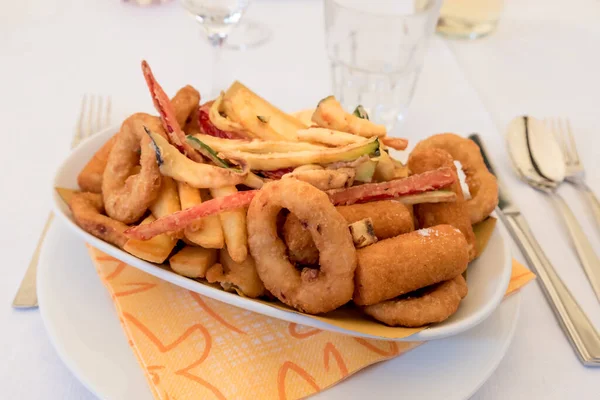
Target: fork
x=574, y=171
x=93, y=116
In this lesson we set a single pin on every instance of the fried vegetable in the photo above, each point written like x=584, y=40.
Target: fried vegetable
x=329, y=137
x=274, y=161
x=385, y=169
x=325, y=179
x=414, y=184
x=330, y=114
x=155, y=250
x=219, y=119
x=243, y=106
x=184, y=218
x=363, y=233
x=365, y=171
x=360, y=112
x=255, y=146
x=177, y=166
x=209, y=153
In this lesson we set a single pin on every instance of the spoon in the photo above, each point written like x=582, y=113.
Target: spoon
x=538, y=160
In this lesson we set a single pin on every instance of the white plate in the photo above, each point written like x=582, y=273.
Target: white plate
x=84, y=328
x=488, y=276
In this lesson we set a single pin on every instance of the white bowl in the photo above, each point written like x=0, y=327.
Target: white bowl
x=488, y=276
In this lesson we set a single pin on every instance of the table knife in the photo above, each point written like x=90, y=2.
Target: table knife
x=581, y=333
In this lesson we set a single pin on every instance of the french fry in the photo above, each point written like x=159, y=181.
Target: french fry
x=234, y=226
x=241, y=277
x=155, y=250
x=167, y=202
x=206, y=232
x=193, y=262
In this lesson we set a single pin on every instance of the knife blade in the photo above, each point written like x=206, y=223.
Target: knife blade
x=576, y=325
x=505, y=202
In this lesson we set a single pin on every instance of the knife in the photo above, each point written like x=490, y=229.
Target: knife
x=576, y=325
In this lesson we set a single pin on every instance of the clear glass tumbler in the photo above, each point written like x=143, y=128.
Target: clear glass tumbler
x=376, y=51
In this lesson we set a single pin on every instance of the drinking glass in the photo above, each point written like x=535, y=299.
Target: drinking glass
x=376, y=51
x=217, y=18
x=469, y=19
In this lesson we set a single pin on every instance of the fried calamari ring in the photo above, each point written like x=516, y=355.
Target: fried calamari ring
x=426, y=306
x=87, y=209
x=454, y=213
x=482, y=184
x=312, y=291
x=90, y=177
x=127, y=195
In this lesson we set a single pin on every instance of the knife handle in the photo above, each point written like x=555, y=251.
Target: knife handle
x=585, y=251
x=584, y=338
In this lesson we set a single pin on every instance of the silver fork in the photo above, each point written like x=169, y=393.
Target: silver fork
x=93, y=116
x=574, y=172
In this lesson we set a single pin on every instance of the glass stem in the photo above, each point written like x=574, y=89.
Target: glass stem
x=216, y=41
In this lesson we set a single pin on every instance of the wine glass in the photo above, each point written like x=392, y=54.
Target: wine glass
x=218, y=18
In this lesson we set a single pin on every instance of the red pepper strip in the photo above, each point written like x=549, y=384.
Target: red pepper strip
x=163, y=105
x=425, y=182
x=207, y=127
x=181, y=219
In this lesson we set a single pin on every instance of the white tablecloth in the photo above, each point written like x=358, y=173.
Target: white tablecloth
x=543, y=60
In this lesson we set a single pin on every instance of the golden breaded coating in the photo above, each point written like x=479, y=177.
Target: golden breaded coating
x=90, y=177
x=432, y=214
x=402, y=264
x=433, y=304
x=390, y=218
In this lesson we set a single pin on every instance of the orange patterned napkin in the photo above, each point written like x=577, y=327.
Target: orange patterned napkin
x=194, y=347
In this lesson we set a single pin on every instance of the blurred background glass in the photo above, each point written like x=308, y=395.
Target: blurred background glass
x=219, y=20
x=376, y=51
x=469, y=19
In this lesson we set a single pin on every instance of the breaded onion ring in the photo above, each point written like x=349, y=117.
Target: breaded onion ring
x=312, y=291
x=90, y=177
x=426, y=306
x=87, y=211
x=452, y=213
x=126, y=194
x=482, y=184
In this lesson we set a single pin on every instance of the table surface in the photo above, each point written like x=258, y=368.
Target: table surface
x=543, y=61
